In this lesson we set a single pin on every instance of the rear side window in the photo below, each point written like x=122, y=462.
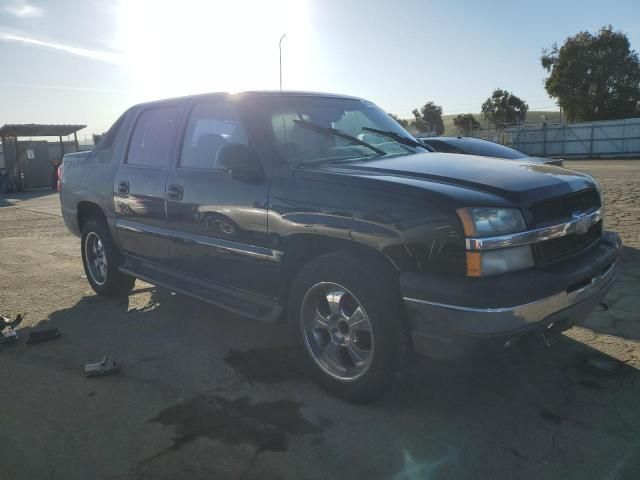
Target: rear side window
x=441, y=146
x=104, y=150
x=211, y=125
x=488, y=149
x=154, y=136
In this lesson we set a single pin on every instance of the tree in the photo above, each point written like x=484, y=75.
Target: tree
x=403, y=123
x=594, y=76
x=465, y=122
x=502, y=107
x=418, y=122
x=429, y=118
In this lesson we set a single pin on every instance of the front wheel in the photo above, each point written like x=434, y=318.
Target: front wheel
x=101, y=260
x=347, y=319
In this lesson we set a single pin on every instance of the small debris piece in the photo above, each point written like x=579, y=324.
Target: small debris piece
x=8, y=335
x=604, y=364
x=546, y=340
x=105, y=366
x=43, y=335
x=7, y=322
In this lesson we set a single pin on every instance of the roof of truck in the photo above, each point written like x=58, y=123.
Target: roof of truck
x=250, y=93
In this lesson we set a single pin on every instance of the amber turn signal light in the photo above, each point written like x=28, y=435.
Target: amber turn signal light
x=474, y=264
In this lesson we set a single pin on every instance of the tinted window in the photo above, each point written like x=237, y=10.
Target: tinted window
x=441, y=146
x=154, y=136
x=487, y=149
x=211, y=125
x=104, y=150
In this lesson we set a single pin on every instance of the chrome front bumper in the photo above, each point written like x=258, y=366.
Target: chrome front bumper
x=493, y=321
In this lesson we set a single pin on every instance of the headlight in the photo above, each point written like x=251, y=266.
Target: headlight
x=493, y=262
x=487, y=221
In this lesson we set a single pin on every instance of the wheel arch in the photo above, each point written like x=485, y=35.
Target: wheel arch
x=88, y=210
x=303, y=248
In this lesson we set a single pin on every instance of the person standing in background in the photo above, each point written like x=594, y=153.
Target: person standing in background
x=55, y=162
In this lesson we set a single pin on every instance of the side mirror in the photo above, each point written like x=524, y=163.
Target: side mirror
x=239, y=160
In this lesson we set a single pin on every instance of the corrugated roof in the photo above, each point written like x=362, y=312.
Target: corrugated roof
x=39, y=130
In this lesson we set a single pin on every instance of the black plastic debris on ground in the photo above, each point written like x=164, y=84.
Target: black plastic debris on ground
x=7, y=322
x=43, y=335
x=7, y=326
x=106, y=366
x=8, y=335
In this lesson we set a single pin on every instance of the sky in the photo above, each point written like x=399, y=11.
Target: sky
x=86, y=61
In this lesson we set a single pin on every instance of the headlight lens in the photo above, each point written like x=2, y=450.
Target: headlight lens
x=493, y=262
x=488, y=221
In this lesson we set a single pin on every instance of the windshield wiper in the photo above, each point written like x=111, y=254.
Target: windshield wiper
x=338, y=133
x=396, y=136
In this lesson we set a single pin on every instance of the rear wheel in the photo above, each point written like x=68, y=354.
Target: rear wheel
x=347, y=320
x=102, y=260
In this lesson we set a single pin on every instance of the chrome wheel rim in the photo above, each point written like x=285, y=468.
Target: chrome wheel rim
x=96, y=258
x=337, y=331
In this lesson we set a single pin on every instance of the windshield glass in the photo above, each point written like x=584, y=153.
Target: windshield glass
x=288, y=120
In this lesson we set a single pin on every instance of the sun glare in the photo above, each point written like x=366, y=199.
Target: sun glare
x=191, y=46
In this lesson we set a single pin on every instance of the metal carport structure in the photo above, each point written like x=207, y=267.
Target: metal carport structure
x=10, y=133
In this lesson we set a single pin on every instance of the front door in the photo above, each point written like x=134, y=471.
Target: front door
x=219, y=221
x=139, y=189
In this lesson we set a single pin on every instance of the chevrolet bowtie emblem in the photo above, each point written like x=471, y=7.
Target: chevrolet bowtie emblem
x=582, y=222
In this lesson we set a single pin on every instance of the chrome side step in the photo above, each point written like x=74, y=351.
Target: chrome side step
x=242, y=303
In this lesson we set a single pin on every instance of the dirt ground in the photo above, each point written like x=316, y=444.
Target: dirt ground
x=205, y=394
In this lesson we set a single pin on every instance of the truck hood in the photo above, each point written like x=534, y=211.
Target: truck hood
x=518, y=181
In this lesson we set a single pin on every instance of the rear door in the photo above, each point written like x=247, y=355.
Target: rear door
x=139, y=189
x=219, y=221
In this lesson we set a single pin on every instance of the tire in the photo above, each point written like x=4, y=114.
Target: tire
x=107, y=281
x=356, y=361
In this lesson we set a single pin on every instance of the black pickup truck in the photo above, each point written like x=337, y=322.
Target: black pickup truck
x=321, y=211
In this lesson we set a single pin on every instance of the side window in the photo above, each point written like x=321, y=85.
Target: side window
x=443, y=146
x=104, y=150
x=211, y=125
x=153, y=137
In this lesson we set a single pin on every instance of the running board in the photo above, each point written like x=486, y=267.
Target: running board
x=242, y=303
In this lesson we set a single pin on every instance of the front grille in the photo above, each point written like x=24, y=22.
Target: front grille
x=563, y=247
x=559, y=209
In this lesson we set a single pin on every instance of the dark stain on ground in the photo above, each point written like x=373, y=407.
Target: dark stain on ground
x=266, y=425
x=317, y=441
x=591, y=384
x=552, y=417
x=267, y=365
x=324, y=422
x=515, y=453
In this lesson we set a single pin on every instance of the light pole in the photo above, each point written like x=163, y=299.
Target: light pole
x=280, y=48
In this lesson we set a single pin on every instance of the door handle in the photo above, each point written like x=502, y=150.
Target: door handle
x=175, y=192
x=123, y=187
